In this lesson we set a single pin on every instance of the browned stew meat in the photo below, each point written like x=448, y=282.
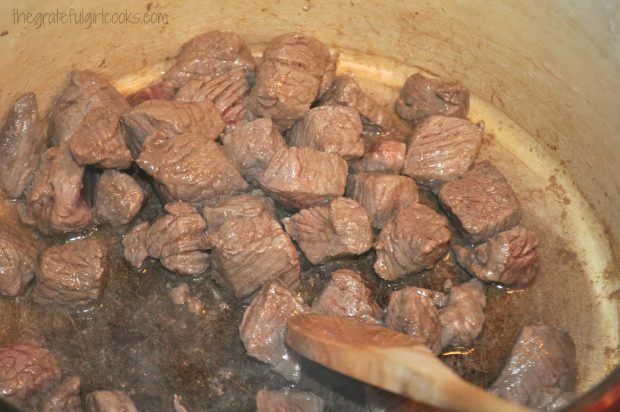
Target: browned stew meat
x=21, y=143
x=157, y=244
x=338, y=228
x=422, y=97
x=109, y=401
x=73, y=274
x=64, y=398
x=346, y=295
x=288, y=400
x=540, y=371
x=26, y=367
x=18, y=261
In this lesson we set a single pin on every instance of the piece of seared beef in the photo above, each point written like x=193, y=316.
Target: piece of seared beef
x=282, y=93
x=288, y=400
x=200, y=119
x=25, y=368
x=252, y=145
x=346, y=295
x=540, y=372
x=338, y=228
x=98, y=140
x=251, y=205
x=109, y=401
x=304, y=177
x=250, y=251
x=264, y=325
x=482, y=201
x=134, y=244
x=65, y=398
x=178, y=239
x=421, y=97
x=412, y=240
x=84, y=92
x=21, y=143
x=209, y=55
x=118, y=199
x=441, y=149
x=306, y=53
x=346, y=92
x=463, y=317
x=508, y=257
x=382, y=194
x=54, y=202
x=411, y=311
x=73, y=274
x=295, y=70
x=18, y=260
x=228, y=92
x=159, y=90
x=381, y=155
x=331, y=129
x=191, y=168
x=378, y=400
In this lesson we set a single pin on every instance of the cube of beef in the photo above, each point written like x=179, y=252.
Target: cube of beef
x=25, y=368
x=295, y=70
x=331, y=129
x=228, y=92
x=18, y=260
x=508, y=257
x=134, y=244
x=264, y=325
x=421, y=97
x=540, y=372
x=191, y=168
x=73, y=274
x=65, y=398
x=255, y=204
x=98, y=140
x=304, y=177
x=172, y=118
x=288, y=400
x=346, y=92
x=109, y=401
x=21, y=143
x=179, y=240
x=252, y=145
x=209, y=55
x=282, y=93
x=250, y=251
x=463, y=317
x=159, y=90
x=339, y=228
x=411, y=311
x=85, y=91
x=412, y=240
x=54, y=201
x=381, y=155
x=482, y=201
x=346, y=295
x=442, y=149
x=118, y=199
x=305, y=53
x=382, y=194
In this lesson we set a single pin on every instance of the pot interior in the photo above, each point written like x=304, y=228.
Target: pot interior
x=139, y=341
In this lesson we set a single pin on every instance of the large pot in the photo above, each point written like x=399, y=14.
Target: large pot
x=545, y=76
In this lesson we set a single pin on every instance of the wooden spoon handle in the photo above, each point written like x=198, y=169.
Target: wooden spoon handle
x=389, y=360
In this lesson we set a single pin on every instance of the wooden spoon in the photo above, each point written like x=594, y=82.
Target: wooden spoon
x=390, y=360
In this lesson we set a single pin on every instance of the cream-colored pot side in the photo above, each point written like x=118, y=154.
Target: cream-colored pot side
x=544, y=75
